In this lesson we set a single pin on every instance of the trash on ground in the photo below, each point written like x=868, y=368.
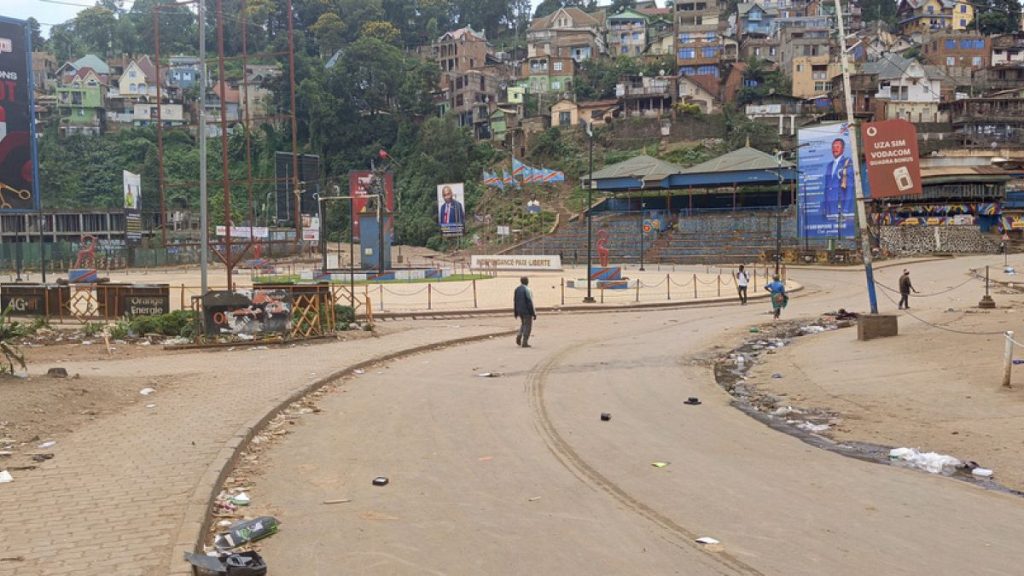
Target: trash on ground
x=489, y=374
x=41, y=457
x=534, y=499
x=359, y=371
x=693, y=401
x=5, y=477
x=811, y=427
x=785, y=411
x=813, y=329
x=842, y=314
x=48, y=444
x=338, y=501
x=380, y=481
x=247, y=531
x=982, y=472
x=57, y=373
x=146, y=391
x=605, y=416
x=707, y=540
x=150, y=405
x=1018, y=361
x=243, y=563
x=928, y=461
x=776, y=375
x=659, y=464
x=241, y=499
x=755, y=330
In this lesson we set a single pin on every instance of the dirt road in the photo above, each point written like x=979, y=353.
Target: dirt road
x=518, y=474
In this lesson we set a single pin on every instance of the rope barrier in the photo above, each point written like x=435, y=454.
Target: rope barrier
x=688, y=282
x=646, y=285
x=711, y=283
x=459, y=293
x=919, y=295
x=392, y=292
x=940, y=327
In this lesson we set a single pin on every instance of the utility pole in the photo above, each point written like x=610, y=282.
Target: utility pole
x=858, y=185
x=590, y=187
x=204, y=225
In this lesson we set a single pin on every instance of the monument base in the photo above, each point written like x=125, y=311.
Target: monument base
x=871, y=326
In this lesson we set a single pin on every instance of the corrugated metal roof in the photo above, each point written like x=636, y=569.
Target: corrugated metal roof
x=641, y=167
x=745, y=158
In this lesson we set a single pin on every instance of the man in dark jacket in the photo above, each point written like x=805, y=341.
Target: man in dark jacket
x=523, y=309
x=905, y=288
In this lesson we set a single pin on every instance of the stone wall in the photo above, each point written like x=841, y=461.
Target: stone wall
x=905, y=240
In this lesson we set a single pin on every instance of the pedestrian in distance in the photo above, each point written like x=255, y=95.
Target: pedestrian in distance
x=905, y=289
x=778, y=295
x=523, y=309
x=742, y=281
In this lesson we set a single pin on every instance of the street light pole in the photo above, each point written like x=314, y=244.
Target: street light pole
x=204, y=225
x=778, y=217
x=590, y=186
x=641, y=234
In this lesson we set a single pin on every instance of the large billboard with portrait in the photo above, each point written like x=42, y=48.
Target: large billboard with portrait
x=451, y=211
x=827, y=203
x=19, y=177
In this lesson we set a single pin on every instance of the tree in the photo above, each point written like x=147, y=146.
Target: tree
x=329, y=32
x=381, y=30
x=761, y=79
x=620, y=5
x=884, y=10
x=997, y=16
x=37, y=34
x=549, y=6
x=95, y=27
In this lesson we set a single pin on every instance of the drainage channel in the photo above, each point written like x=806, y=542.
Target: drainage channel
x=806, y=424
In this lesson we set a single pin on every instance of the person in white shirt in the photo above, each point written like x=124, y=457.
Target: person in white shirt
x=742, y=281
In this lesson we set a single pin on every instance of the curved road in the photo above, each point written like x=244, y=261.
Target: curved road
x=518, y=474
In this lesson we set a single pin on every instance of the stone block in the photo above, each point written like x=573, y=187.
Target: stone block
x=871, y=326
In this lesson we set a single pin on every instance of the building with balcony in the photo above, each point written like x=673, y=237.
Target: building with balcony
x=568, y=33
x=755, y=20
x=645, y=95
x=81, y=103
x=805, y=56
x=982, y=122
x=627, y=33
x=897, y=88
x=547, y=74
x=460, y=51
x=919, y=17
x=702, y=49
x=999, y=78
x=1007, y=49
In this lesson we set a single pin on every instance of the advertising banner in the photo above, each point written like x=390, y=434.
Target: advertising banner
x=890, y=152
x=132, y=207
x=451, y=211
x=309, y=184
x=261, y=232
x=826, y=190
x=361, y=185
x=19, y=175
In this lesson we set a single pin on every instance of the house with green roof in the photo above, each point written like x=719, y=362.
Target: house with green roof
x=627, y=33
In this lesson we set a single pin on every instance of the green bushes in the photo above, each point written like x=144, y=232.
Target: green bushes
x=178, y=323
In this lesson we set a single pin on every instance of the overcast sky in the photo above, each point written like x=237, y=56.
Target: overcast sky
x=59, y=11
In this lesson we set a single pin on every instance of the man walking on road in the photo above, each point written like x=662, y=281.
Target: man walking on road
x=905, y=288
x=523, y=309
x=742, y=281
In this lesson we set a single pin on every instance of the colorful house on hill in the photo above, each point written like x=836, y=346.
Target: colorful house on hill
x=81, y=103
x=567, y=33
x=918, y=17
x=755, y=19
x=627, y=33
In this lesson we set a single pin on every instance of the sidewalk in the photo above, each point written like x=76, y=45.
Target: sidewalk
x=126, y=494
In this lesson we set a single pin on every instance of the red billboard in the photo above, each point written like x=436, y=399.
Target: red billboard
x=19, y=177
x=890, y=153
x=361, y=185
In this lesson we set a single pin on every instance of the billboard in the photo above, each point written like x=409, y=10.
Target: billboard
x=132, y=206
x=451, y=212
x=284, y=174
x=19, y=175
x=893, y=164
x=361, y=185
x=826, y=187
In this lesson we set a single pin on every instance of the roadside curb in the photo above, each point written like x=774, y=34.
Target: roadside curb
x=196, y=521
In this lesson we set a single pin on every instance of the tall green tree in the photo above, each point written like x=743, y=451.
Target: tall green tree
x=95, y=27
x=997, y=16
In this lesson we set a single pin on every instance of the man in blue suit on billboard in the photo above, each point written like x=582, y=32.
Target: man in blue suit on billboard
x=838, y=181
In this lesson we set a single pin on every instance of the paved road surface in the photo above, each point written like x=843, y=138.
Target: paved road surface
x=518, y=475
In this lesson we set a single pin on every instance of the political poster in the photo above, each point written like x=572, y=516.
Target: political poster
x=891, y=155
x=361, y=184
x=19, y=175
x=451, y=211
x=826, y=193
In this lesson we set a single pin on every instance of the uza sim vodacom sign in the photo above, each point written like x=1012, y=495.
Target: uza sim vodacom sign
x=890, y=152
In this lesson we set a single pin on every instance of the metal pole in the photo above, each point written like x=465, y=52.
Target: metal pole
x=590, y=186
x=323, y=238
x=229, y=258
x=204, y=225
x=295, y=128
x=42, y=241
x=352, y=255
x=641, y=234
x=855, y=156
x=1008, y=359
x=159, y=129
x=778, y=218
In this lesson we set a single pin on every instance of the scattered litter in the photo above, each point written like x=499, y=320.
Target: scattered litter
x=811, y=427
x=5, y=453
x=150, y=405
x=12, y=559
x=485, y=458
x=605, y=416
x=982, y=472
x=5, y=477
x=659, y=464
x=928, y=461
x=776, y=375
x=693, y=401
x=842, y=314
x=380, y=481
x=534, y=499
x=246, y=337
x=785, y=411
x=1009, y=270
x=813, y=329
x=247, y=563
x=146, y=391
x=41, y=457
x=224, y=524
x=254, y=348
x=1018, y=361
x=247, y=531
x=707, y=540
x=57, y=373
x=48, y=444
x=489, y=374
x=755, y=330
x=338, y=501
x=359, y=371
x=241, y=499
